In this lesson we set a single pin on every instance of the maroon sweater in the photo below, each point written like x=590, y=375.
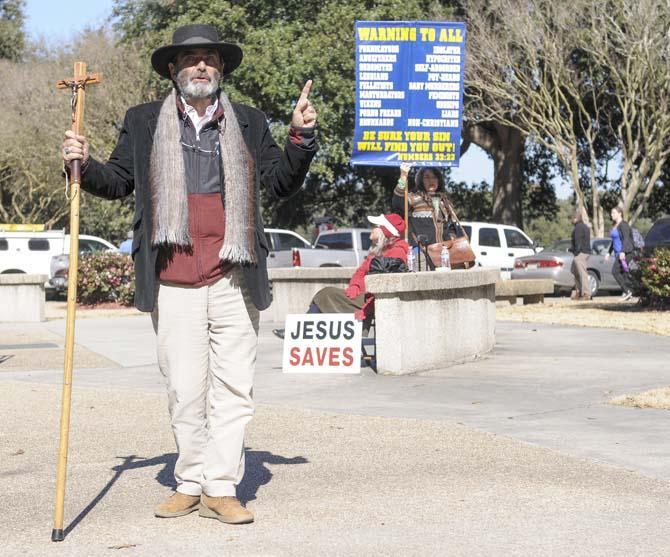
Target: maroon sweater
x=199, y=264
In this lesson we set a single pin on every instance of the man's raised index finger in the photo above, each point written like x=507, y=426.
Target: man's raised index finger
x=305, y=90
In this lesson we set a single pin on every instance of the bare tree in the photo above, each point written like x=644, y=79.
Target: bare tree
x=631, y=41
x=31, y=183
x=522, y=73
x=567, y=74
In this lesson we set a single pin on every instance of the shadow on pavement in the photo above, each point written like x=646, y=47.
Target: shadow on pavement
x=619, y=307
x=256, y=475
x=127, y=464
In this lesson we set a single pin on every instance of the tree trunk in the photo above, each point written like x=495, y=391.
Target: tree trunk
x=597, y=217
x=506, y=146
x=507, y=161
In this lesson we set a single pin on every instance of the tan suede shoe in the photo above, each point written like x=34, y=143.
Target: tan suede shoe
x=178, y=504
x=225, y=509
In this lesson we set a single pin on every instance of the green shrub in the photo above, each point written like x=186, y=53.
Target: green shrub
x=652, y=279
x=106, y=277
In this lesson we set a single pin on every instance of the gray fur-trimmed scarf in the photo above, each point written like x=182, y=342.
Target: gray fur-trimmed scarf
x=169, y=193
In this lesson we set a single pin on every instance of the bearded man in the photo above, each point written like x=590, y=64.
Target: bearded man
x=196, y=162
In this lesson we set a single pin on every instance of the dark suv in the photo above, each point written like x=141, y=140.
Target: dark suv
x=658, y=236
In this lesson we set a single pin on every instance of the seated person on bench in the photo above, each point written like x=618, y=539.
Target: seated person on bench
x=387, y=254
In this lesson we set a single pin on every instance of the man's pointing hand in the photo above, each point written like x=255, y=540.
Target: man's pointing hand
x=304, y=115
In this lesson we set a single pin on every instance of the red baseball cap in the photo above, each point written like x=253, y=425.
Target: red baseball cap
x=392, y=225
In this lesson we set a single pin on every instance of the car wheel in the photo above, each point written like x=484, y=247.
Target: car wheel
x=594, y=283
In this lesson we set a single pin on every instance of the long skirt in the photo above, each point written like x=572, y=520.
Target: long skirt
x=334, y=300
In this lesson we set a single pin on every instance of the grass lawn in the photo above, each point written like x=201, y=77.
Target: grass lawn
x=656, y=398
x=601, y=312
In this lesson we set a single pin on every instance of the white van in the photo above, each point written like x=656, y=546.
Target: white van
x=31, y=252
x=497, y=245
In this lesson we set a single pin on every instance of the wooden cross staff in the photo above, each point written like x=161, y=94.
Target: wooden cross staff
x=77, y=86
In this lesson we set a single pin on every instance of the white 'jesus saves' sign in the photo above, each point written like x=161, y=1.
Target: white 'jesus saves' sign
x=322, y=343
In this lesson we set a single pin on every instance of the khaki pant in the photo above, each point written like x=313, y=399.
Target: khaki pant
x=581, y=275
x=207, y=339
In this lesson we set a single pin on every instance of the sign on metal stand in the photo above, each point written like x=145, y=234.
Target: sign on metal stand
x=322, y=343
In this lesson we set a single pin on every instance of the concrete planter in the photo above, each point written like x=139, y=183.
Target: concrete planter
x=423, y=320
x=22, y=297
x=293, y=289
x=530, y=291
x=427, y=320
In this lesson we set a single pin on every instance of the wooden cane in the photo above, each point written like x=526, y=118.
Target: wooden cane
x=77, y=85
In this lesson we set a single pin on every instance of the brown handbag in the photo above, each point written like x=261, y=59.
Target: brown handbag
x=460, y=253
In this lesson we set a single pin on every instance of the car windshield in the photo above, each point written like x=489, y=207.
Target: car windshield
x=91, y=246
x=365, y=240
x=561, y=245
x=659, y=233
x=601, y=247
x=341, y=240
x=289, y=241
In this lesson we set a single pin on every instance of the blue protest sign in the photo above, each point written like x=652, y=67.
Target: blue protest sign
x=409, y=93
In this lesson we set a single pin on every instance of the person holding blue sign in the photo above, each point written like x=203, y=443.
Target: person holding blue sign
x=431, y=215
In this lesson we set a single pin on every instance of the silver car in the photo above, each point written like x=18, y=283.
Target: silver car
x=555, y=263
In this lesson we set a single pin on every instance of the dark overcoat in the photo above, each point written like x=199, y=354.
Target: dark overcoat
x=127, y=170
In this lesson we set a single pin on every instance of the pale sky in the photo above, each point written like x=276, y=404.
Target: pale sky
x=56, y=20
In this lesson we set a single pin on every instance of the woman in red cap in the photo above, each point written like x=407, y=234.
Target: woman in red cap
x=388, y=253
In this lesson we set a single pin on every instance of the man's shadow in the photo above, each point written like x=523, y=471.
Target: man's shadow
x=256, y=475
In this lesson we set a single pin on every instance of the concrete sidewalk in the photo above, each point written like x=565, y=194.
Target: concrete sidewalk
x=515, y=454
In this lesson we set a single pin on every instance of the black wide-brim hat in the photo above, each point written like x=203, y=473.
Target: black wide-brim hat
x=195, y=36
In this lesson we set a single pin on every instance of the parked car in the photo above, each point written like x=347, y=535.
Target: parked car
x=281, y=244
x=60, y=264
x=32, y=252
x=658, y=236
x=498, y=245
x=344, y=247
x=332, y=248
x=555, y=263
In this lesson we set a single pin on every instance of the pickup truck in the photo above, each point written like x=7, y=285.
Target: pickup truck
x=344, y=247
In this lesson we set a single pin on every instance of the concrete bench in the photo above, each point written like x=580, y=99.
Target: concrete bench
x=423, y=320
x=428, y=320
x=294, y=288
x=22, y=297
x=531, y=291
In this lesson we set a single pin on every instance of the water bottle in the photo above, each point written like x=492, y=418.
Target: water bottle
x=411, y=260
x=445, y=264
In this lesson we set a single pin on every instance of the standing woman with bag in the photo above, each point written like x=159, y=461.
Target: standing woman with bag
x=431, y=214
x=623, y=248
x=430, y=211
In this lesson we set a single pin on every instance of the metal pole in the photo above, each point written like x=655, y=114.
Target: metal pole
x=406, y=212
